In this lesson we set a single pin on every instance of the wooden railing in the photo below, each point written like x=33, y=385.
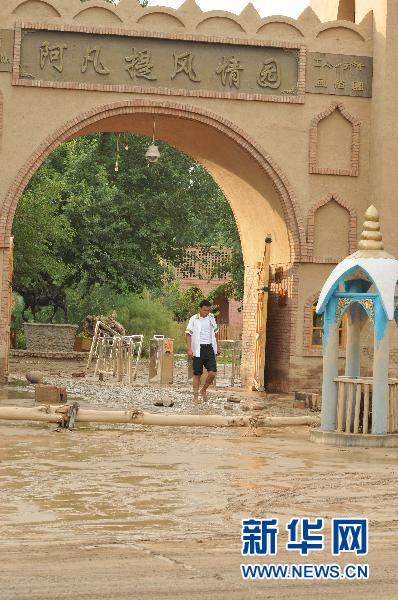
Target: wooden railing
x=354, y=405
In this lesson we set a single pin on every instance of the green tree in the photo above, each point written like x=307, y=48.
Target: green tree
x=96, y=226
x=41, y=232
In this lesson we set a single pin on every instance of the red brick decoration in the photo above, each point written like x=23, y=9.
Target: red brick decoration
x=71, y=129
x=313, y=158
x=352, y=229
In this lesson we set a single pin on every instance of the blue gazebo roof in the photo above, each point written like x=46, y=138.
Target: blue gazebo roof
x=370, y=261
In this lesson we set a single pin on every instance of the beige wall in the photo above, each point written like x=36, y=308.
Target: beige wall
x=326, y=9
x=258, y=152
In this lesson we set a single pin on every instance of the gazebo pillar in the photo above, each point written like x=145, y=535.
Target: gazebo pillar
x=330, y=367
x=380, y=370
x=353, y=347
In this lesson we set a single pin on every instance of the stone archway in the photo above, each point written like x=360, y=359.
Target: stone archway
x=259, y=193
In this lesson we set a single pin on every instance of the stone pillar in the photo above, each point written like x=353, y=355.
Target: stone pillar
x=380, y=370
x=330, y=367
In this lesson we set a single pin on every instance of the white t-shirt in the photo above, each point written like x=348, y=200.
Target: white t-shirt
x=205, y=330
x=194, y=328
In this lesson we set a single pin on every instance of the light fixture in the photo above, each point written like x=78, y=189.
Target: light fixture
x=152, y=154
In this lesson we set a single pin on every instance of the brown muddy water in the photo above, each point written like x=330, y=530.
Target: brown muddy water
x=118, y=483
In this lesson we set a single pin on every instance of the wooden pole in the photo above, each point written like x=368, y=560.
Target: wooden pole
x=56, y=414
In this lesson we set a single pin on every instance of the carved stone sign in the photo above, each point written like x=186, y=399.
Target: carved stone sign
x=6, y=49
x=339, y=74
x=135, y=62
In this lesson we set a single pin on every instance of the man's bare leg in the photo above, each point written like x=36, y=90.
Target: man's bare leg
x=209, y=380
x=196, y=385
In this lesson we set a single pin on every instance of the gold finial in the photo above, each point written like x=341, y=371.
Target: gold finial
x=371, y=243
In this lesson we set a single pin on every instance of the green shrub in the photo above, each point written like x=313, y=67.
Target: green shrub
x=20, y=340
x=146, y=314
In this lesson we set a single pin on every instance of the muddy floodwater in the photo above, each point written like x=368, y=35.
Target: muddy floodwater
x=124, y=512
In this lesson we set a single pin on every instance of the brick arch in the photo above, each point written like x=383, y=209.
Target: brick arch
x=289, y=205
x=353, y=171
x=22, y=3
x=352, y=227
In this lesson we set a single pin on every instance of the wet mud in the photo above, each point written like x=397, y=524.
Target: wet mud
x=132, y=512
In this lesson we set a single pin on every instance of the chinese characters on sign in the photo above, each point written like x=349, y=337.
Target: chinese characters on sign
x=183, y=63
x=200, y=68
x=93, y=56
x=229, y=69
x=169, y=65
x=53, y=54
x=340, y=75
x=140, y=65
x=269, y=75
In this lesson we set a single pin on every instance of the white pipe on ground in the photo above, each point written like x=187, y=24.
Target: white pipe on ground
x=56, y=414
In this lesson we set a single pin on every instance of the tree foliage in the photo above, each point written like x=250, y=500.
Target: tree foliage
x=80, y=222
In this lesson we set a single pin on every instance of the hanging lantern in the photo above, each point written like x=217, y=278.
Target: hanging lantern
x=153, y=154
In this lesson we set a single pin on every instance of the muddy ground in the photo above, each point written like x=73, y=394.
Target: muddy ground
x=120, y=512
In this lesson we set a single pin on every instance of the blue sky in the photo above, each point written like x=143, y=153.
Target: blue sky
x=292, y=8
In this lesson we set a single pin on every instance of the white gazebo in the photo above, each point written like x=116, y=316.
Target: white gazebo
x=356, y=410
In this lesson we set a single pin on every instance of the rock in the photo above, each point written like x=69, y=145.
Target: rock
x=34, y=376
x=228, y=407
x=258, y=405
x=168, y=402
x=233, y=399
x=79, y=374
x=252, y=405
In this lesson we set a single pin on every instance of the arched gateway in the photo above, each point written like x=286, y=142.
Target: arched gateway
x=240, y=94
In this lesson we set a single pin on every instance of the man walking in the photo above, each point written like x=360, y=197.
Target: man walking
x=202, y=347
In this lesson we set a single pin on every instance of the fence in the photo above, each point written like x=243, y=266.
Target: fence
x=354, y=405
x=229, y=361
x=118, y=356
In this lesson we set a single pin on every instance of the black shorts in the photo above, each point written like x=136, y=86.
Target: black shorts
x=207, y=359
